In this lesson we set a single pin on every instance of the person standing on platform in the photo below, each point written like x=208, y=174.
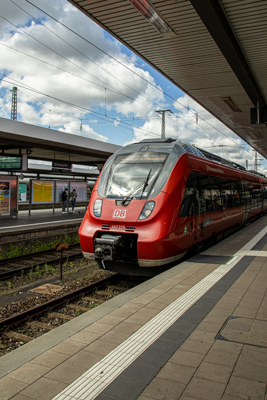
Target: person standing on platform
x=64, y=201
x=73, y=197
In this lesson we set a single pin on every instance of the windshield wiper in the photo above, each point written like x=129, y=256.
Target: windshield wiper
x=145, y=183
x=139, y=186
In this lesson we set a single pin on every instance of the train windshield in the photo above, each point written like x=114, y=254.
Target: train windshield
x=133, y=175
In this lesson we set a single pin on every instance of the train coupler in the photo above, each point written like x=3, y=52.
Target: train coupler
x=106, y=247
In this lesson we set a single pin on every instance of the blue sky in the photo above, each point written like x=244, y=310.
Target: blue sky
x=91, y=85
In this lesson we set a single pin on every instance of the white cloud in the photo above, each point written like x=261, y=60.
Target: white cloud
x=83, y=83
x=77, y=82
x=87, y=131
x=193, y=124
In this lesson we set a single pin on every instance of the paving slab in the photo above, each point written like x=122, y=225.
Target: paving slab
x=204, y=389
x=44, y=389
x=10, y=387
x=161, y=389
x=245, y=389
x=187, y=361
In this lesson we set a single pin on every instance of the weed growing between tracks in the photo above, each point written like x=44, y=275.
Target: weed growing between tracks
x=36, y=245
x=43, y=272
x=37, y=299
x=7, y=343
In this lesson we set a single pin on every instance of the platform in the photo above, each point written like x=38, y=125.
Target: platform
x=196, y=331
x=39, y=218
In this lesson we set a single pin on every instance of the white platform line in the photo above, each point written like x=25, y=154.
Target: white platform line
x=89, y=385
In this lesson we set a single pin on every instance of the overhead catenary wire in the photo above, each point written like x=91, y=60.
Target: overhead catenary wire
x=101, y=116
x=78, y=51
x=187, y=107
x=216, y=129
x=95, y=113
x=119, y=62
x=131, y=126
x=66, y=59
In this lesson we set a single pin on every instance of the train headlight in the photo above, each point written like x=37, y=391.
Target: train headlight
x=98, y=208
x=147, y=210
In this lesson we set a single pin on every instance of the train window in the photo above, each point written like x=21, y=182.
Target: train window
x=190, y=204
x=237, y=193
x=226, y=193
x=253, y=196
x=215, y=193
x=247, y=194
x=205, y=193
x=264, y=195
x=256, y=196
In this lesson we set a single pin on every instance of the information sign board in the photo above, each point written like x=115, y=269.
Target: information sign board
x=17, y=163
x=22, y=192
x=61, y=166
x=10, y=163
x=81, y=189
x=42, y=192
x=60, y=187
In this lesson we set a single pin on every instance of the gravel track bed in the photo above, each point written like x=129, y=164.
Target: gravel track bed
x=70, y=284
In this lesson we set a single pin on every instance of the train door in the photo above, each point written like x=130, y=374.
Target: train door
x=204, y=204
x=190, y=208
x=245, y=201
x=198, y=206
x=197, y=221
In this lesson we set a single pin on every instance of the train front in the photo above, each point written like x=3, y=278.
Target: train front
x=128, y=222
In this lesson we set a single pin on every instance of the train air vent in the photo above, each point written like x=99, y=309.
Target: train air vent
x=191, y=149
x=105, y=226
x=130, y=228
x=158, y=140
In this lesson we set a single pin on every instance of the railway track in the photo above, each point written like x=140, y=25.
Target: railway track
x=25, y=326
x=13, y=266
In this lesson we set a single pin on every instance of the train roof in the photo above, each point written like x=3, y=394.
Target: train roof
x=188, y=148
x=169, y=145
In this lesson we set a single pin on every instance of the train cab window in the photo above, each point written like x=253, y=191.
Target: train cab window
x=190, y=203
x=134, y=175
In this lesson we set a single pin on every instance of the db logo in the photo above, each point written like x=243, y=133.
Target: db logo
x=119, y=214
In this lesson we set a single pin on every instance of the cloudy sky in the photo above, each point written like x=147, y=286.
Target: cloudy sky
x=74, y=77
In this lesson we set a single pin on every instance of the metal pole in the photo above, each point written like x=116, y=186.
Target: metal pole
x=30, y=196
x=162, y=112
x=14, y=103
x=256, y=162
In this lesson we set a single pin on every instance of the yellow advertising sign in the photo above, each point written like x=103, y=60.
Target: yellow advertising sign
x=43, y=192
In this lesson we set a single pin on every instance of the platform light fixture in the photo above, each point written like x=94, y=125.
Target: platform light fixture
x=149, y=12
x=231, y=104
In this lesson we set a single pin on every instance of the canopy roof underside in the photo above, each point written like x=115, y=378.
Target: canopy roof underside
x=218, y=51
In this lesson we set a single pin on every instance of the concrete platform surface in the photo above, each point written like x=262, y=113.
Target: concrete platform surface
x=40, y=218
x=197, y=331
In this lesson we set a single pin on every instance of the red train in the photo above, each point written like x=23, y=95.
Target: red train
x=156, y=199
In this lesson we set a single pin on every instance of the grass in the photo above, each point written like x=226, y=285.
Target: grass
x=37, y=245
x=42, y=272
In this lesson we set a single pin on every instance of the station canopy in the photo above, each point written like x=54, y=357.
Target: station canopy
x=214, y=50
x=17, y=138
